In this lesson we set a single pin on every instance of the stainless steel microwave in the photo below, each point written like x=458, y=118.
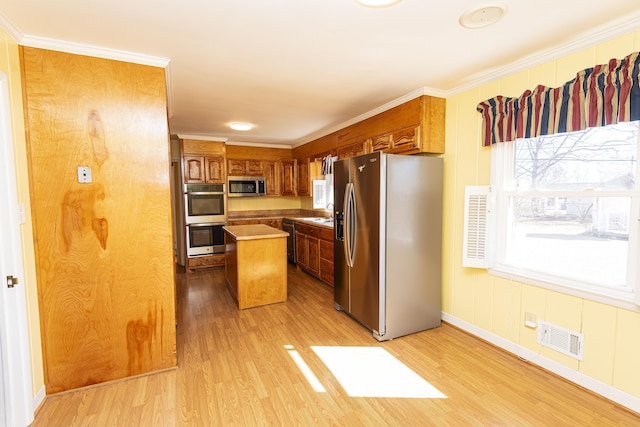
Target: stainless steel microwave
x=246, y=186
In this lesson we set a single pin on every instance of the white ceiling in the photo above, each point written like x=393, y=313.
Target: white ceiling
x=299, y=69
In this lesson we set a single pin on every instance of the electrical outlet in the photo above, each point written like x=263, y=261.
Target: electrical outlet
x=530, y=320
x=84, y=174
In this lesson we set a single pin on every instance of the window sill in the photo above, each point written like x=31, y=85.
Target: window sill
x=524, y=277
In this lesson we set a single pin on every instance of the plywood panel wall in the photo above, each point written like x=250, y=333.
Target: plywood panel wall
x=104, y=252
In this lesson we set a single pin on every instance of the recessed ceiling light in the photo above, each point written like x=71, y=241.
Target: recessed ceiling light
x=482, y=17
x=377, y=3
x=240, y=126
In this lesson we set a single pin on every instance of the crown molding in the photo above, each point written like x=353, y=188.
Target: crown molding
x=9, y=28
x=201, y=137
x=89, y=50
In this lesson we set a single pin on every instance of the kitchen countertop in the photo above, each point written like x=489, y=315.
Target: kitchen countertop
x=318, y=221
x=254, y=231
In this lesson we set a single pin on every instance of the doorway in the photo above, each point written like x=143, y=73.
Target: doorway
x=16, y=400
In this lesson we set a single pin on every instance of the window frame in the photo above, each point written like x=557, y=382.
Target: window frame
x=504, y=188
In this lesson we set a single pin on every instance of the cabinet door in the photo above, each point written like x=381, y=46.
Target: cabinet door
x=237, y=167
x=304, y=182
x=380, y=143
x=351, y=150
x=254, y=167
x=194, y=169
x=313, y=260
x=288, y=178
x=405, y=140
x=302, y=250
x=215, y=169
x=272, y=178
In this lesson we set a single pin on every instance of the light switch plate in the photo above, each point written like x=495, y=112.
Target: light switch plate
x=84, y=174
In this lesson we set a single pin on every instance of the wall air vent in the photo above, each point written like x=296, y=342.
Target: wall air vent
x=563, y=340
x=476, y=226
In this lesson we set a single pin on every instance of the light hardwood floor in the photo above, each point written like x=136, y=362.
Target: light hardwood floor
x=236, y=369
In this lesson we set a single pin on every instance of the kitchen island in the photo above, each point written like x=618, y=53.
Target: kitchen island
x=256, y=264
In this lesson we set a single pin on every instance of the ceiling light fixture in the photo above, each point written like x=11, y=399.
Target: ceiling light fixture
x=483, y=16
x=378, y=3
x=240, y=126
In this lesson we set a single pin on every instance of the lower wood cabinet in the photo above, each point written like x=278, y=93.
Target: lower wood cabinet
x=205, y=261
x=314, y=251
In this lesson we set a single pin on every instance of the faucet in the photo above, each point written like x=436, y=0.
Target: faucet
x=330, y=209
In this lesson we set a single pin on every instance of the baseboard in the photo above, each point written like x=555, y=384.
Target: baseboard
x=39, y=398
x=598, y=387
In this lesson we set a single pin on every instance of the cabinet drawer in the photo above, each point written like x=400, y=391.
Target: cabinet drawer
x=326, y=250
x=326, y=233
x=309, y=230
x=206, y=261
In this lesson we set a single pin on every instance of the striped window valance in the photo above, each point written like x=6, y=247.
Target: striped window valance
x=598, y=96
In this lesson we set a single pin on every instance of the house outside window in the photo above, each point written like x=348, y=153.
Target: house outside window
x=567, y=209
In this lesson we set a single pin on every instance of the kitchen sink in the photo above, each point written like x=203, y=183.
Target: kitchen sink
x=319, y=220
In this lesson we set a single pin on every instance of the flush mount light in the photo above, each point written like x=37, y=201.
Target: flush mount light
x=240, y=126
x=377, y=3
x=482, y=17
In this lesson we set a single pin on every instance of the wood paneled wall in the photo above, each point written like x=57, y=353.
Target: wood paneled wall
x=104, y=255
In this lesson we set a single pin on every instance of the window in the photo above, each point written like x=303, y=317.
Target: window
x=567, y=211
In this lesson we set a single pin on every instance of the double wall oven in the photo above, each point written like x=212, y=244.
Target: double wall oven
x=204, y=216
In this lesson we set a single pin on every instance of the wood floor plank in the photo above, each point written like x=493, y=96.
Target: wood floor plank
x=238, y=368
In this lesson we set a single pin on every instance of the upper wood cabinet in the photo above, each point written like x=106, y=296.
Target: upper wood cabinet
x=397, y=142
x=203, y=169
x=351, y=150
x=245, y=167
x=288, y=178
x=214, y=167
x=272, y=177
x=304, y=179
x=193, y=169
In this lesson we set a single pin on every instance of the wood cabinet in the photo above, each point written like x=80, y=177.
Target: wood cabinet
x=205, y=261
x=326, y=261
x=245, y=167
x=256, y=265
x=203, y=169
x=304, y=180
x=397, y=142
x=271, y=177
x=288, y=178
x=314, y=251
x=351, y=150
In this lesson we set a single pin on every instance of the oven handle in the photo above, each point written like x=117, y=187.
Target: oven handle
x=203, y=193
x=206, y=224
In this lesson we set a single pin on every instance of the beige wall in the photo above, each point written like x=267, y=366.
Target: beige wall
x=10, y=65
x=496, y=305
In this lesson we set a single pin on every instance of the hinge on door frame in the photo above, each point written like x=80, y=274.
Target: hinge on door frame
x=11, y=281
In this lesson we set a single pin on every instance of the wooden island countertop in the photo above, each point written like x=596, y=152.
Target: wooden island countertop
x=256, y=264
x=254, y=231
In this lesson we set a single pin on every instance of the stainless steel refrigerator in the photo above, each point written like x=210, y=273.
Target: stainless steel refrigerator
x=388, y=242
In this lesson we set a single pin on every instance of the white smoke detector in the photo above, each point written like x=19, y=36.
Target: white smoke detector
x=483, y=16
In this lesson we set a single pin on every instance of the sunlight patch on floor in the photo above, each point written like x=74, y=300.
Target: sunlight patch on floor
x=374, y=372
x=304, y=368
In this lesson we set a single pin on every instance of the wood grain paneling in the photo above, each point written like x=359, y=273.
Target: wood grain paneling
x=103, y=249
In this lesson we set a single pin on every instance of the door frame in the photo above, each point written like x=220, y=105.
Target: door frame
x=16, y=357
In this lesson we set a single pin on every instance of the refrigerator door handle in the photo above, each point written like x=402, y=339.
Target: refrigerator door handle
x=349, y=223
